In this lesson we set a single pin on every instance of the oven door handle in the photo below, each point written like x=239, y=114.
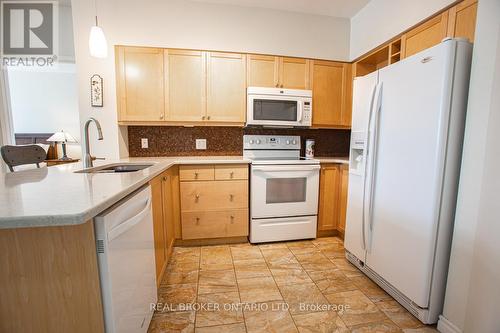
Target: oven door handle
x=275, y=168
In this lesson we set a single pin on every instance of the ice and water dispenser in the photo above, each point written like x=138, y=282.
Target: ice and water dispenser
x=357, y=156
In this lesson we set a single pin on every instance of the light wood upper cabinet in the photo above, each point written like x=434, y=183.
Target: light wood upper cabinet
x=226, y=87
x=331, y=86
x=277, y=72
x=185, y=85
x=140, y=83
x=462, y=20
x=329, y=197
x=294, y=73
x=262, y=70
x=426, y=35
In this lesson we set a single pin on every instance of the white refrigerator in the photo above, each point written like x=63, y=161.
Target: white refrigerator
x=406, y=143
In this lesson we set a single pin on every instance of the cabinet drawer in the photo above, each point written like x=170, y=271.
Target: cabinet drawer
x=196, y=172
x=215, y=224
x=213, y=195
x=230, y=172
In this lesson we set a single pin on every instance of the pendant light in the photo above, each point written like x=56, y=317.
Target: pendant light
x=97, y=41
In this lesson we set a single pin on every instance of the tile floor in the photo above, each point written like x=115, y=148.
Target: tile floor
x=280, y=287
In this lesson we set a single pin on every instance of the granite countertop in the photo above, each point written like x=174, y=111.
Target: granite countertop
x=57, y=196
x=340, y=160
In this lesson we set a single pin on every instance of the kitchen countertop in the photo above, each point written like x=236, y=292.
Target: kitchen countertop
x=340, y=160
x=57, y=196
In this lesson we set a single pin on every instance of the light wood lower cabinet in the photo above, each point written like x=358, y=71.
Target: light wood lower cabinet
x=215, y=224
x=231, y=172
x=49, y=280
x=332, y=199
x=196, y=172
x=165, y=217
x=217, y=207
x=344, y=183
x=329, y=197
x=159, y=230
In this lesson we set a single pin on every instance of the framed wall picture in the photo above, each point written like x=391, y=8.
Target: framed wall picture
x=96, y=97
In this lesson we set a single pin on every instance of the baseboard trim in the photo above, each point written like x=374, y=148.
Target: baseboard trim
x=327, y=233
x=446, y=326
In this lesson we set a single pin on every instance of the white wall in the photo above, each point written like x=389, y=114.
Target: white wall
x=186, y=24
x=45, y=100
x=381, y=20
x=473, y=294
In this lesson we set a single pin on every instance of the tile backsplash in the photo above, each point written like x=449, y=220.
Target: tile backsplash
x=181, y=141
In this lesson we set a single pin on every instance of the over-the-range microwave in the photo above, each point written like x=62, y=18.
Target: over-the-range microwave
x=279, y=107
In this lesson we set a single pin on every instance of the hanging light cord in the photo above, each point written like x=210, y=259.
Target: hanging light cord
x=95, y=8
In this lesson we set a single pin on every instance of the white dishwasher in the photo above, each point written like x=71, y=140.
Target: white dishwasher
x=125, y=248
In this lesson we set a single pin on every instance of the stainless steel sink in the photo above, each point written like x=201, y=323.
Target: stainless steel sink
x=116, y=168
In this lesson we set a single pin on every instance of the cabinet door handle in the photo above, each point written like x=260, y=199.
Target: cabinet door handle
x=203, y=118
x=231, y=174
x=231, y=197
x=197, y=220
x=232, y=219
x=164, y=179
x=161, y=116
x=281, y=86
x=197, y=198
x=196, y=175
x=208, y=118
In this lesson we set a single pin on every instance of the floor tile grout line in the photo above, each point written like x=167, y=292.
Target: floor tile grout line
x=338, y=315
x=279, y=290
x=267, y=265
x=197, y=288
x=238, y=288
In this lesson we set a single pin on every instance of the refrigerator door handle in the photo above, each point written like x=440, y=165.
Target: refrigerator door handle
x=367, y=153
x=373, y=157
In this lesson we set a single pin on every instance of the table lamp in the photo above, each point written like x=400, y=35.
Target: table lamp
x=63, y=137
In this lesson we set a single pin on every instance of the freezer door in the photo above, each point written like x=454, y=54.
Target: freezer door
x=407, y=177
x=363, y=93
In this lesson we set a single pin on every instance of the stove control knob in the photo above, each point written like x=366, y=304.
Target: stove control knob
x=287, y=142
x=251, y=142
x=258, y=141
x=294, y=142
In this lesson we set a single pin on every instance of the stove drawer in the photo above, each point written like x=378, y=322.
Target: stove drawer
x=230, y=172
x=215, y=224
x=214, y=195
x=196, y=172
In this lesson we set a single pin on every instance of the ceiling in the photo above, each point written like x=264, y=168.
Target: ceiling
x=335, y=8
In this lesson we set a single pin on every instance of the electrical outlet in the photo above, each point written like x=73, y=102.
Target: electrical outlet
x=201, y=144
x=144, y=143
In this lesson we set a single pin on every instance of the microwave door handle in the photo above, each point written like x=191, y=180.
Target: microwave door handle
x=300, y=111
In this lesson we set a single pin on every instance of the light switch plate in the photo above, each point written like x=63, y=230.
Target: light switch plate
x=201, y=144
x=144, y=143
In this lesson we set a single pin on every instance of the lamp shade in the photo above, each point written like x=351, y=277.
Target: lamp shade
x=97, y=43
x=62, y=137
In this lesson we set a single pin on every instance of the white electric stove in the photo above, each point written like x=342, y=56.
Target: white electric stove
x=283, y=189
